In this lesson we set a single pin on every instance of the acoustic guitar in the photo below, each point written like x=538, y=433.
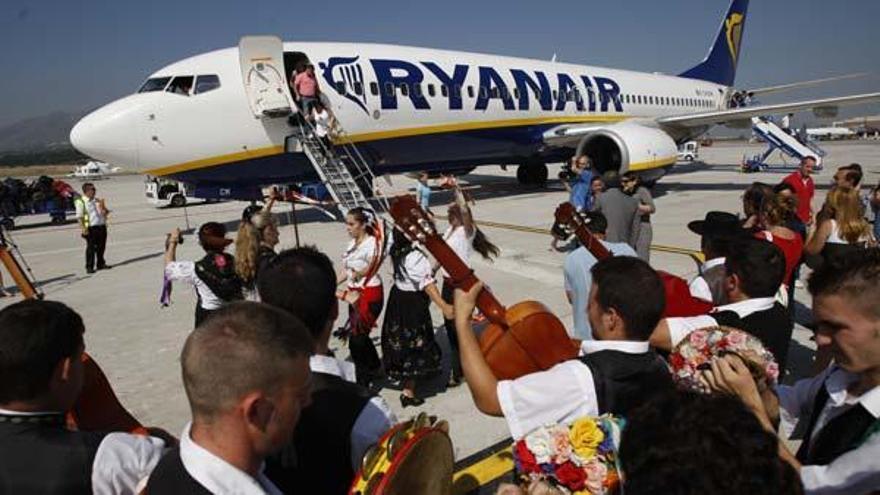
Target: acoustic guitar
x=521, y=339
x=679, y=301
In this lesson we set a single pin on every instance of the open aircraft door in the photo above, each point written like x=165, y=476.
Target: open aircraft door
x=262, y=70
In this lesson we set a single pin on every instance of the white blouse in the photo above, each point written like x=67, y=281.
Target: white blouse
x=416, y=272
x=835, y=238
x=357, y=258
x=461, y=243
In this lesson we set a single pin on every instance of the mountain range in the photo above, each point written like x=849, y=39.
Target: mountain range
x=51, y=131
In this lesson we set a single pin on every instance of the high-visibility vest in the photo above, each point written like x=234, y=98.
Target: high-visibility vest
x=79, y=202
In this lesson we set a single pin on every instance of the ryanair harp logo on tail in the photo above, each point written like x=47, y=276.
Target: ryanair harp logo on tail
x=346, y=77
x=733, y=26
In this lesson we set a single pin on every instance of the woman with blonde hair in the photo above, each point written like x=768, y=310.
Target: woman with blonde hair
x=255, y=244
x=843, y=229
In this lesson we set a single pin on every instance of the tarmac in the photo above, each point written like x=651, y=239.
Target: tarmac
x=138, y=343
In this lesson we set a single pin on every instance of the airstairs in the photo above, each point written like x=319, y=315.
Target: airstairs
x=341, y=167
x=786, y=141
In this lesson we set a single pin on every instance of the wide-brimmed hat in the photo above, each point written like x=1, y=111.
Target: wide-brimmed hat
x=718, y=224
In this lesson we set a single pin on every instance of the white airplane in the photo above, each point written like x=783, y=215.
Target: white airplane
x=219, y=118
x=94, y=170
x=830, y=132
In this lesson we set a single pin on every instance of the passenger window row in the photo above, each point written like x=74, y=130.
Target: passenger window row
x=182, y=85
x=666, y=101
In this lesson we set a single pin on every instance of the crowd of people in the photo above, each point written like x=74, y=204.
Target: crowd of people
x=274, y=410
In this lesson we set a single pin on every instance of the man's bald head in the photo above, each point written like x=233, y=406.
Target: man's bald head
x=242, y=348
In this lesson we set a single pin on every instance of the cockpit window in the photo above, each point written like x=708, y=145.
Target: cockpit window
x=181, y=85
x=154, y=84
x=205, y=83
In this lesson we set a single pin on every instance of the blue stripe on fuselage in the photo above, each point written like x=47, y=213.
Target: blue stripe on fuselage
x=438, y=151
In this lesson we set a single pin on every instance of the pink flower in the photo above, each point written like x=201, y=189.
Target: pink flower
x=560, y=444
x=736, y=339
x=698, y=338
x=596, y=473
x=220, y=260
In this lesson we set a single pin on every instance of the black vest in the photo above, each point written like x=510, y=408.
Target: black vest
x=169, y=476
x=39, y=455
x=223, y=282
x=624, y=381
x=843, y=433
x=319, y=459
x=772, y=326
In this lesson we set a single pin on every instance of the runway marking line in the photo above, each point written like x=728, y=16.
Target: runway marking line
x=483, y=467
x=695, y=255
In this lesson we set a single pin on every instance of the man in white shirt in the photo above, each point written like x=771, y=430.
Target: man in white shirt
x=840, y=452
x=614, y=373
x=716, y=231
x=41, y=378
x=91, y=213
x=344, y=419
x=578, y=279
x=246, y=375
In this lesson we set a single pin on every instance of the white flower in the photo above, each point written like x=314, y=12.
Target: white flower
x=540, y=443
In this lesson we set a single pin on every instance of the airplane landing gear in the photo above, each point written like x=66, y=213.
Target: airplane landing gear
x=532, y=173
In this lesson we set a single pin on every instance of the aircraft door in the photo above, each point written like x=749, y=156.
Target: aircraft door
x=262, y=70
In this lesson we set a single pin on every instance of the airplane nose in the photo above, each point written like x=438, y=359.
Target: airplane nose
x=108, y=134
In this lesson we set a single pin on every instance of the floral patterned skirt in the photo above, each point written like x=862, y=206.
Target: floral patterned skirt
x=408, y=346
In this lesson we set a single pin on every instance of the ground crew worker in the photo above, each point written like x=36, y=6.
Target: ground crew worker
x=91, y=212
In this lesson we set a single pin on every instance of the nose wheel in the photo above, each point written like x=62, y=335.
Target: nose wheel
x=532, y=174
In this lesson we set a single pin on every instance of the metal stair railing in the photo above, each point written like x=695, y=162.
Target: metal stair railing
x=341, y=167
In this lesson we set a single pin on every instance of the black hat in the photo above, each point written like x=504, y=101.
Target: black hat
x=718, y=224
x=212, y=236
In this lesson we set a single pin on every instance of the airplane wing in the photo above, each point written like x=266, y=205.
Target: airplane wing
x=735, y=114
x=804, y=84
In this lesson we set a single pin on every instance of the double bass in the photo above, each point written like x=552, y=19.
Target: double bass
x=520, y=339
x=679, y=301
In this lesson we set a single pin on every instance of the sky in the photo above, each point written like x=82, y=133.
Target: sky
x=75, y=55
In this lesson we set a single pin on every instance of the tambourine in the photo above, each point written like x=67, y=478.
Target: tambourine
x=413, y=457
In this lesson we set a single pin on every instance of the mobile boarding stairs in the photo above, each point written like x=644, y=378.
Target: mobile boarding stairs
x=787, y=141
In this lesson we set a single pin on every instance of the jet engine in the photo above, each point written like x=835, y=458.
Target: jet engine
x=629, y=146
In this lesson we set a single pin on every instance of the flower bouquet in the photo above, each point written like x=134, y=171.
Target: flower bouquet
x=578, y=459
x=694, y=354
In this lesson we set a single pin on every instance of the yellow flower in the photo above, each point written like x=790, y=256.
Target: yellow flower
x=585, y=436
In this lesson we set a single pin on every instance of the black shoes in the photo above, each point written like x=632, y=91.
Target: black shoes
x=105, y=267
x=90, y=270
x=406, y=401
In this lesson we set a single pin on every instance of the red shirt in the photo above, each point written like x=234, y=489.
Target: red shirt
x=792, y=250
x=804, y=190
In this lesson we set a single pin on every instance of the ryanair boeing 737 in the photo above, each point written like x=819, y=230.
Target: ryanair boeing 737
x=222, y=118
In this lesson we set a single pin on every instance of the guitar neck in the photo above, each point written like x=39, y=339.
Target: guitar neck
x=589, y=241
x=463, y=277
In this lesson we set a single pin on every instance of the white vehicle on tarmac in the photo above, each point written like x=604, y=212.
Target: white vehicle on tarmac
x=689, y=151
x=163, y=192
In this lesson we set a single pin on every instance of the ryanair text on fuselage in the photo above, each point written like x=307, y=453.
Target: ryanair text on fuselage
x=396, y=79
